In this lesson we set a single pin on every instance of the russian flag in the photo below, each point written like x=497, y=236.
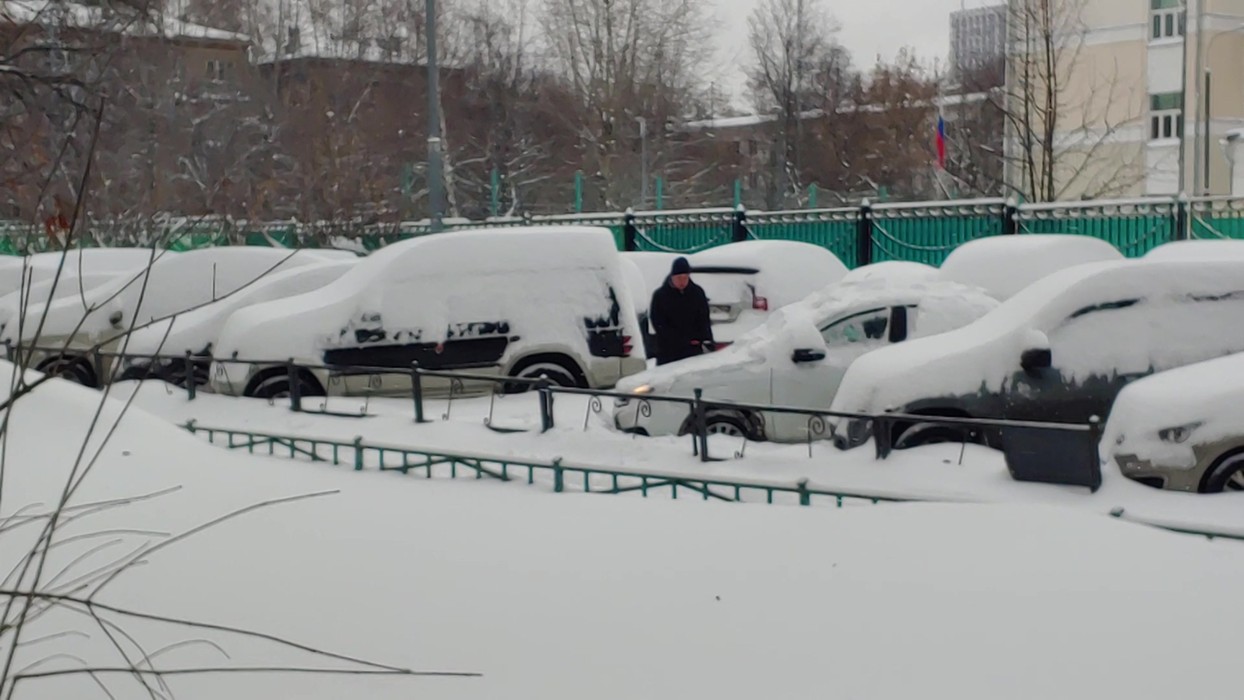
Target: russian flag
x=941, y=142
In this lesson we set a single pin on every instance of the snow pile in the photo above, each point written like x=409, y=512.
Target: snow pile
x=543, y=281
x=1198, y=250
x=700, y=597
x=1206, y=395
x=170, y=285
x=789, y=270
x=197, y=330
x=1003, y=265
x=984, y=355
x=894, y=271
x=44, y=267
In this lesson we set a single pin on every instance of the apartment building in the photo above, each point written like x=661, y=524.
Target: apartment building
x=977, y=40
x=1148, y=91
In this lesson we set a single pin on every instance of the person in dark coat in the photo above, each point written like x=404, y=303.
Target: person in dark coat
x=679, y=315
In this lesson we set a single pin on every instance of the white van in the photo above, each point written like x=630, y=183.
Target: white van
x=1059, y=351
x=520, y=302
x=174, y=283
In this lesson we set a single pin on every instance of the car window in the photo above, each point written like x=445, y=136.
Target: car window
x=864, y=327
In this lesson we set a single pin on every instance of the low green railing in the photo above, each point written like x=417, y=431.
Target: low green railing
x=562, y=476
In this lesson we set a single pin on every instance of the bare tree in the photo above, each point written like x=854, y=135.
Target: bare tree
x=1063, y=112
x=792, y=45
x=626, y=61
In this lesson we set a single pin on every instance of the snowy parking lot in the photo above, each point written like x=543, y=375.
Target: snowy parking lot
x=944, y=472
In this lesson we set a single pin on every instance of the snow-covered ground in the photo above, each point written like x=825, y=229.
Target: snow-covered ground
x=937, y=472
x=574, y=596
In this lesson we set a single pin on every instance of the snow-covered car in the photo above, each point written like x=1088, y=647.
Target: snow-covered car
x=520, y=302
x=1197, y=249
x=1059, y=351
x=797, y=358
x=67, y=285
x=196, y=331
x=1004, y=265
x=746, y=281
x=99, y=319
x=893, y=271
x=1183, y=429
x=32, y=270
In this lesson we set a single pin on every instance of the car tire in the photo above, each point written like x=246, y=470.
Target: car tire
x=72, y=369
x=556, y=371
x=729, y=424
x=1227, y=474
x=277, y=386
x=920, y=434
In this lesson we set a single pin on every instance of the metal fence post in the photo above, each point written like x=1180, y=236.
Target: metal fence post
x=738, y=225
x=546, y=404
x=295, y=391
x=358, y=454
x=805, y=498
x=1010, y=217
x=882, y=429
x=416, y=391
x=629, y=232
x=699, y=424
x=864, y=235
x=559, y=477
x=190, y=388
x=1181, y=218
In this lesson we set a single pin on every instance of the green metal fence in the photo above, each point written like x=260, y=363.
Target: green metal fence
x=922, y=232
x=563, y=477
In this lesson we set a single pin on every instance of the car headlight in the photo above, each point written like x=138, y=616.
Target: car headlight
x=642, y=389
x=1178, y=434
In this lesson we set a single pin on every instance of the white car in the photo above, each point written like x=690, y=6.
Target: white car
x=1182, y=429
x=746, y=281
x=519, y=302
x=197, y=331
x=796, y=359
x=1059, y=351
x=1004, y=265
x=174, y=283
x=1198, y=249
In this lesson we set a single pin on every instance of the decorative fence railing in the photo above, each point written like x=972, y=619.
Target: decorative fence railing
x=922, y=232
x=1060, y=453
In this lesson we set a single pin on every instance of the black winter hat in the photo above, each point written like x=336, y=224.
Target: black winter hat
x=681, y=267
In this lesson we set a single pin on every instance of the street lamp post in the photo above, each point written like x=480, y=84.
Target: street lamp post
x=1201, y=159
x=643, y=159
x=436, y=191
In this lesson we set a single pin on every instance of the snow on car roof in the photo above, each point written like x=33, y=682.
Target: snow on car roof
x=892, y=270
x=893, y=375
x=788, y=270
x=1214, y=249
x=1003, y=265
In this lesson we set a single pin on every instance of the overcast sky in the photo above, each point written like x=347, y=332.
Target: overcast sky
x=869, y=28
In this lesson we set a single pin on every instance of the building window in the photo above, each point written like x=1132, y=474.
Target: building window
x=1166, y=116
x=218, y=71
x=1167, y=19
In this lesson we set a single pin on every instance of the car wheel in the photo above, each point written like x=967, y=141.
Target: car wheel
x=556, y=372
x=176, y=375
x=278, y=387
x=919, y=434
x=727, y=425
x=73, y=369
x=1227, y=474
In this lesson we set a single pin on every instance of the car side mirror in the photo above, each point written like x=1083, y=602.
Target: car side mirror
x=115, y=319
x=1034, y=359
x=807, y=355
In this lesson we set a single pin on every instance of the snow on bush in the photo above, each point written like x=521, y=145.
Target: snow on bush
x=1003, y=265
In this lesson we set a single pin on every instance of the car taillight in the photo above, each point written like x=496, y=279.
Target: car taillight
x=760, y=303
x=627, y=347
x=720, y=346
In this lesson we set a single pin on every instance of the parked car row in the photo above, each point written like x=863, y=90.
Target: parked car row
x=1055, y=328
